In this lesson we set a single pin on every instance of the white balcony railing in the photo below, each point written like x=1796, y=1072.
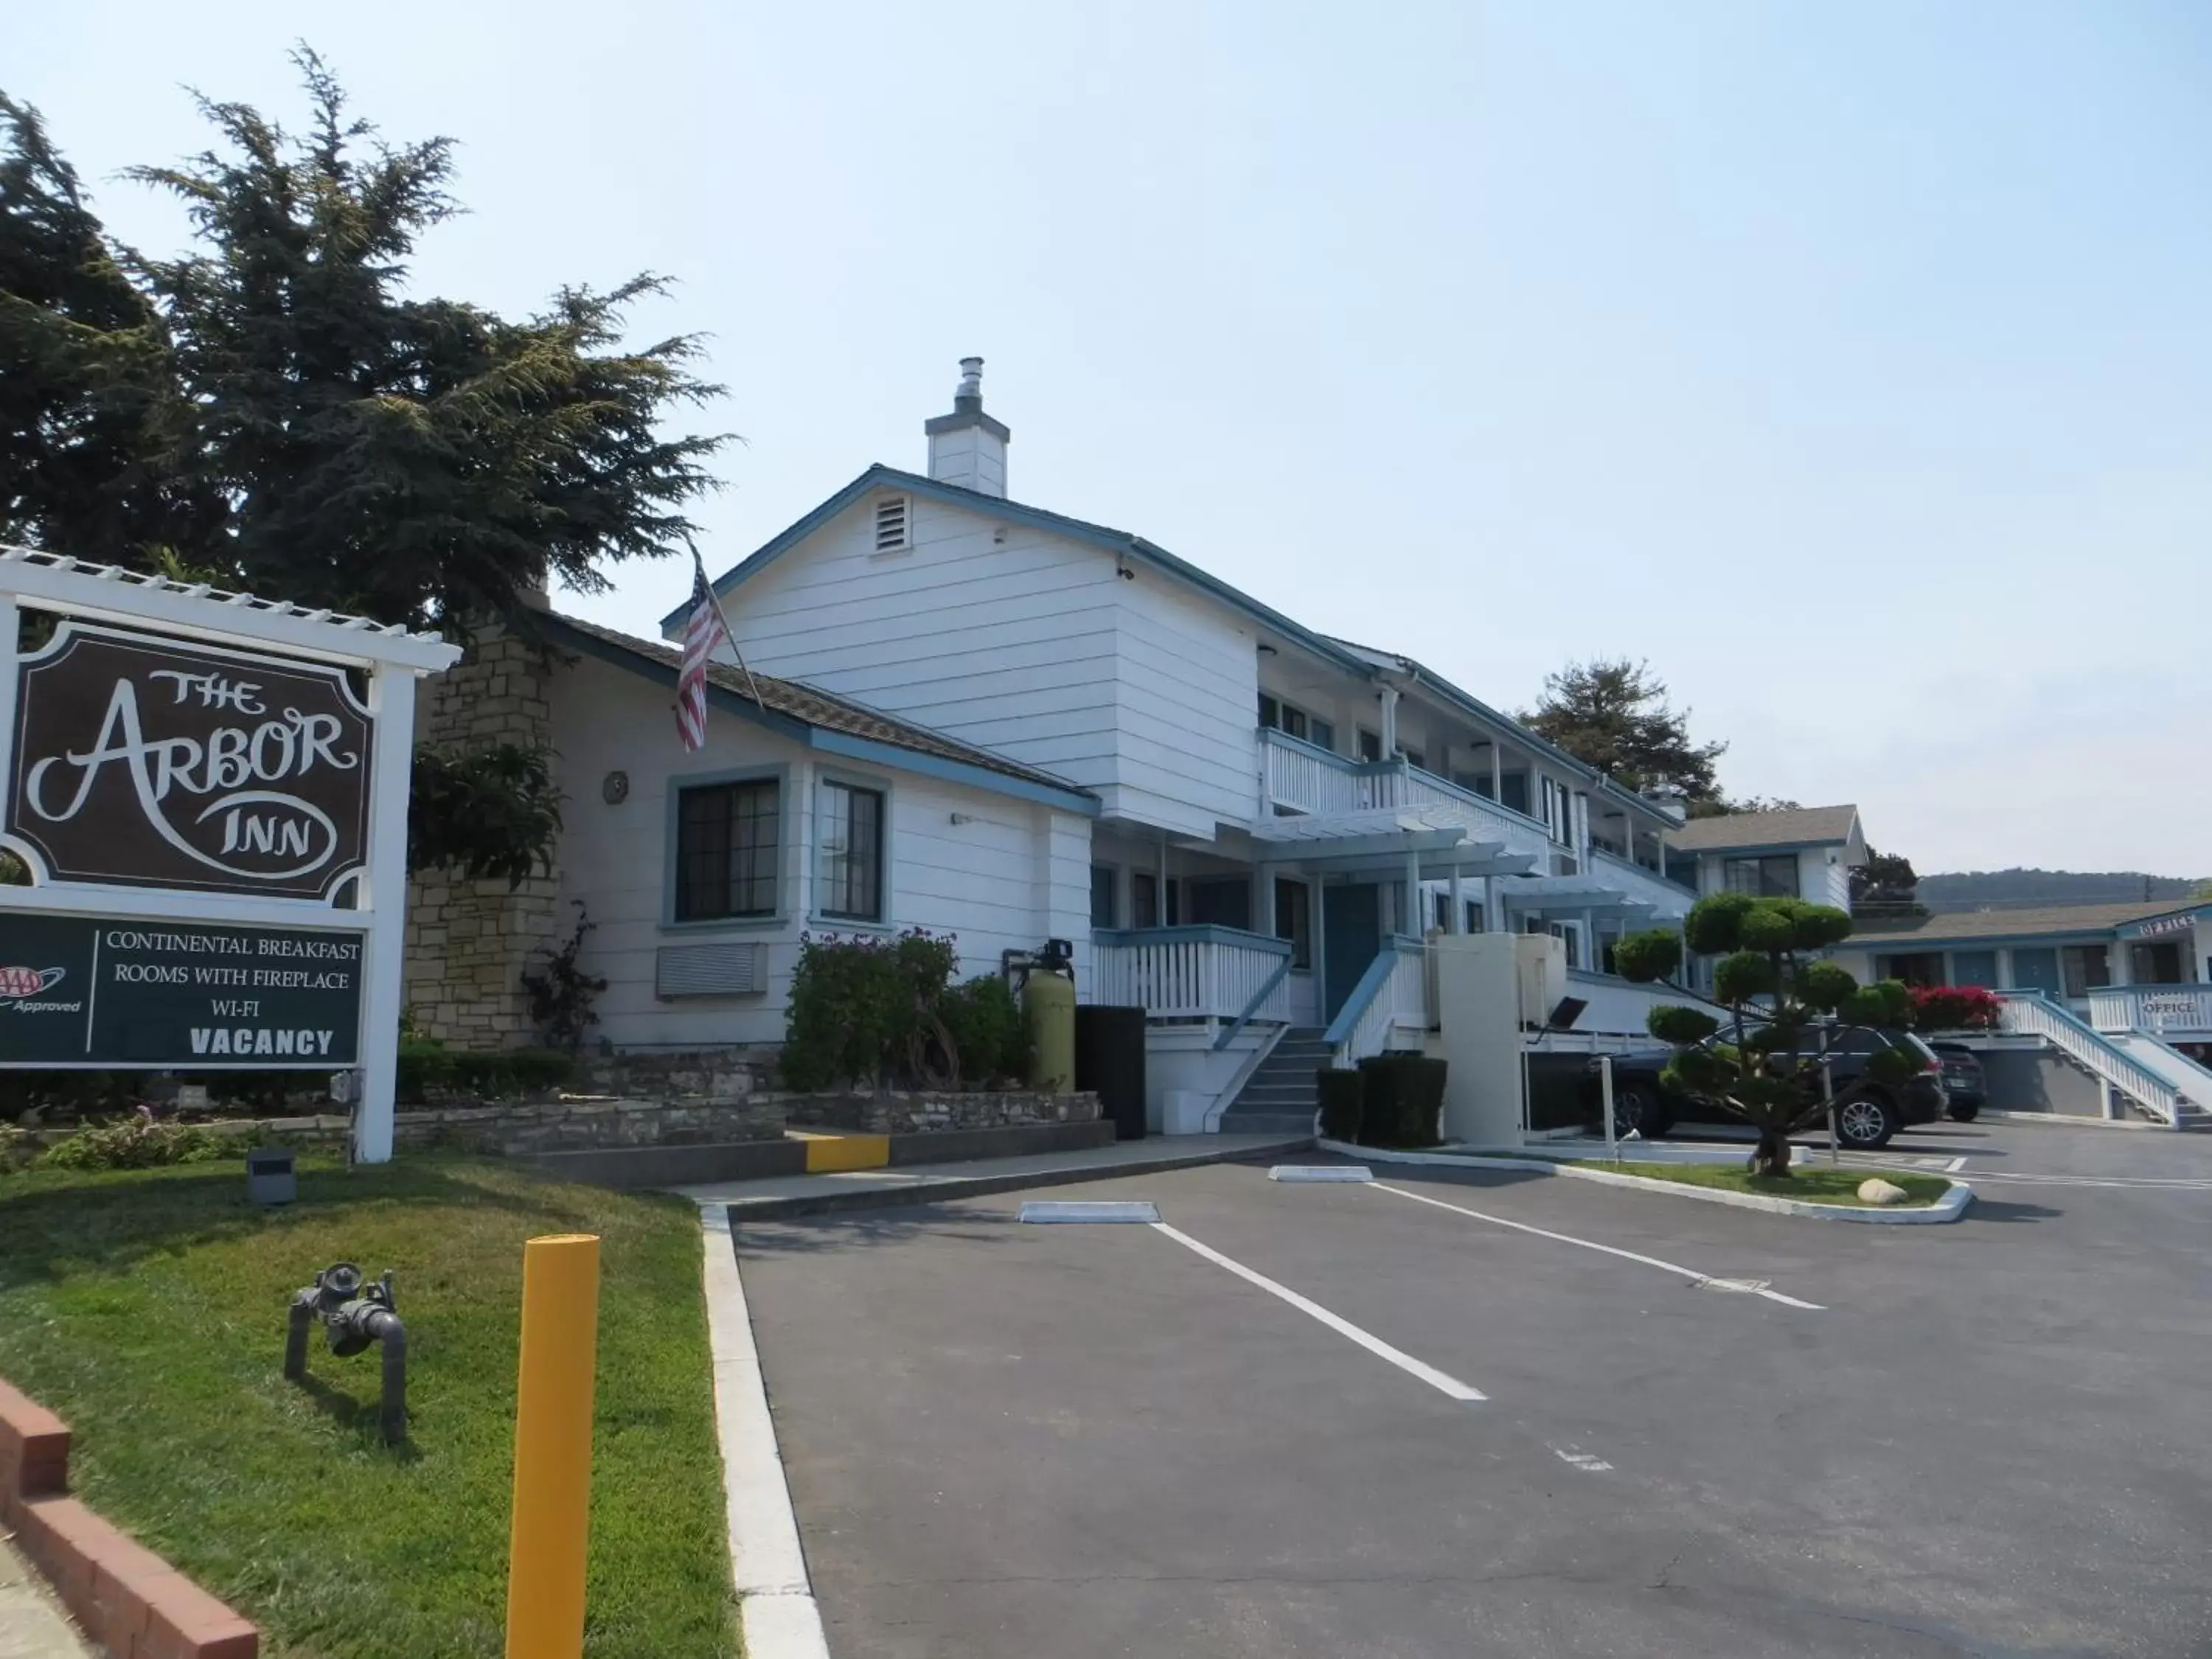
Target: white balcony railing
x=1304, y=779
x=2152, y=1009
x=1389, y=1008
x=1198, y=973
x=2029, y=1013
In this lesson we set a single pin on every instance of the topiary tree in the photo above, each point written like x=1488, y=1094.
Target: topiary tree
x=1783, y=1007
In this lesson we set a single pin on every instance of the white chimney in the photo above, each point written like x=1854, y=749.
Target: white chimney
x=967, y=447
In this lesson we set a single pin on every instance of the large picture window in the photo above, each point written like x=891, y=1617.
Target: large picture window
x=725, y=850
x=852, y=840
x=1773, y=876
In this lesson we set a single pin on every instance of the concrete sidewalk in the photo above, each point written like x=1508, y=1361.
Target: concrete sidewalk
x=31, y=1623
x=930, y=1183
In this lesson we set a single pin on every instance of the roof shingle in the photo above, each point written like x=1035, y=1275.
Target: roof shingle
x=1949, y=926
x=1796, y=826
x=821, y=708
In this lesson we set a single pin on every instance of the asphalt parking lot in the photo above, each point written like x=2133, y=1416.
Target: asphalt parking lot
x=1260, y=1433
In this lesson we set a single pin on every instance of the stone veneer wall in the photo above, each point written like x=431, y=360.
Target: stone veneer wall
x=518, y=1128
x=468, y=942
x=729, y=1074
x=891, y=1112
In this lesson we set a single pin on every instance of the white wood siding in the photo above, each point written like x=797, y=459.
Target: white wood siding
x=1030, y=646
x=1011, y=875
x=1009, y=645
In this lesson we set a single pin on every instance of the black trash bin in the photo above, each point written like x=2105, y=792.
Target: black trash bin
x=1109, y=1058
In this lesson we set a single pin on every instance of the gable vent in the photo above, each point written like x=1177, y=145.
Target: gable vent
x=891, y=525
x=709, y=970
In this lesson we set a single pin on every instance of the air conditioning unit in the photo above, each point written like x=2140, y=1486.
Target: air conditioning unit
x=710, y=970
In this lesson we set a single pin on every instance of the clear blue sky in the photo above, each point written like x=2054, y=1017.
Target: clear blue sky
x=1853, y=363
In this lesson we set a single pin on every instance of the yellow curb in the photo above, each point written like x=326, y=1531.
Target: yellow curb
x=828, y=1153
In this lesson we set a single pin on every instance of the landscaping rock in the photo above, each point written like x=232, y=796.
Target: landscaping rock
x=1876, y=1190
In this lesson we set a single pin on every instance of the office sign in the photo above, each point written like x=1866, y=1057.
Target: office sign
x=2159, y=926
x=97, y=991
x=148, y=761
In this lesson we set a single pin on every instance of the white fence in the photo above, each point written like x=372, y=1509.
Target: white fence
x=2152, y=1008
x=2030, y=1015
x=1389, y=1009
x=1191, y=973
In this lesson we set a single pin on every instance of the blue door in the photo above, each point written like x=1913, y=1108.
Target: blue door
x=1352, y=933
x=2036, y=969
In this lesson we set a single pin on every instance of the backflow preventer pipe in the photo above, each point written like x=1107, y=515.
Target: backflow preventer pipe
x=354, y=1316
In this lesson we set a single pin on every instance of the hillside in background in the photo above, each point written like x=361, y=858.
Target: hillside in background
x=2002, y=890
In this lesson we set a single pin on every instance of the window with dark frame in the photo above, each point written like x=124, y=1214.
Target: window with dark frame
x=1370, y=744
x=2086, y=968
x=1276, y=715
x=726, y=843
x=1772, y=875
x=852, y=840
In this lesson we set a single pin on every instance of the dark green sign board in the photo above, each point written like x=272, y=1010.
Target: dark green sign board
x=94, y=991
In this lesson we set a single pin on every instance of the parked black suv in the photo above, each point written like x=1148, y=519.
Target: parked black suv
x=1642, y=1102
x=1962, y=1081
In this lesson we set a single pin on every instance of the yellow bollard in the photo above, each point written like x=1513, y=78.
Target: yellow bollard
x=553, y=1447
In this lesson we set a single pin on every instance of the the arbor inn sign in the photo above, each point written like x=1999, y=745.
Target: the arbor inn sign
x=210, y=793
x=152, y=762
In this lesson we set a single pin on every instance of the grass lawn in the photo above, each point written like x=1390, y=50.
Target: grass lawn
x=147, y=1307
x=1814, y=1186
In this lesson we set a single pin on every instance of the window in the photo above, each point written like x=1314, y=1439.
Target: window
x=1475, y=783
x=726, y=849
x=1102, y=895
x=1515, y=796
x=1913, y=967
x=2158, y=964
x=1277, y=715
x=1294, y=920
x=1474, y=915
x=893, y=524
x=1370, y=744
x=851, y=841
x=2087, y=967
x=1441, y=908
x=1145, y=900
x=1772, y=876
x=1414, y=757
x=1223, y=902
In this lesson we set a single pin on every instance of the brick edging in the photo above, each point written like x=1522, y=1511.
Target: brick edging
x=130, y=1602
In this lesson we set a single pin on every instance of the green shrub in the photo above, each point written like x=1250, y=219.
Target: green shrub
x=429, y=1068
x=1401, y=1096
x=141, y=1141
x=1342, y=1094
x=987, y=1030
x=864, y=1009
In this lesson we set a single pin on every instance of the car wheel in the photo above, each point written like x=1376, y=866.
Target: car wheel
x=1866, y=1124
x=1965, y=1112
x=1635, y=1106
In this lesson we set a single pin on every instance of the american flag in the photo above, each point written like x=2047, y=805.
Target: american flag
x=703, y=632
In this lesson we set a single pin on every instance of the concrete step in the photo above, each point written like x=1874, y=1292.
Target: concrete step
x=1237, y=1122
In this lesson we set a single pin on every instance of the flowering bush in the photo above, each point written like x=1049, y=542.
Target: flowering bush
x=1955, y=1008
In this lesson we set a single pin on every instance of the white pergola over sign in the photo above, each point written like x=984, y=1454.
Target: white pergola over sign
x=215, y=822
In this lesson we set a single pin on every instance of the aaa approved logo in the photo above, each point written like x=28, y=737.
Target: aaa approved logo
x=19, y=985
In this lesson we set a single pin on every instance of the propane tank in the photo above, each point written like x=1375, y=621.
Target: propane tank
x=1048, y=1005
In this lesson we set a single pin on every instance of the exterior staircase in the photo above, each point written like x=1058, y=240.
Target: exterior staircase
x=2191, y=1082
x=1280, y=1097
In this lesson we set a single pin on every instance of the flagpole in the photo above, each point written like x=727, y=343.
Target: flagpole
x=715, y=600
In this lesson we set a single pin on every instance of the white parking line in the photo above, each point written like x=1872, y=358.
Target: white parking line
x=1690, y=1273
x=1588, y=1463
x=1373, y=1344
x=1955, y=1166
